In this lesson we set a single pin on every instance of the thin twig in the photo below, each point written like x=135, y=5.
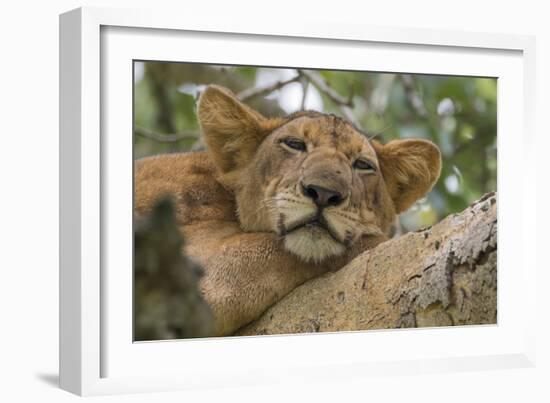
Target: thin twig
x=412, y=95
x=346, y=110
x=305, y=85
x=344, y=104
x=164, y=138
x=318, y=81
x=379, y=132
x=254, y=92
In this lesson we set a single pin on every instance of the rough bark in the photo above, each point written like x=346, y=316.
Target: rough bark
x=439, y=276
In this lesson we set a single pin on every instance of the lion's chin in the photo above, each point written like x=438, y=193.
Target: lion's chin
x=312, y=244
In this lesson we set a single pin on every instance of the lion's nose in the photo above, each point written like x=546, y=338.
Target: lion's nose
x=321, y=196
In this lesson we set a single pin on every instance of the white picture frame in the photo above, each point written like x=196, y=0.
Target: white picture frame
x=96, y=354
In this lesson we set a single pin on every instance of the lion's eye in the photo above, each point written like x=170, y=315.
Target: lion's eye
x=364, y=165
x=295, y=144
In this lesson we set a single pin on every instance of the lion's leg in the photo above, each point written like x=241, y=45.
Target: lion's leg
x=245, y=273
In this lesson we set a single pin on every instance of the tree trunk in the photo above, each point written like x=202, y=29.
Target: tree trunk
x=440, y=276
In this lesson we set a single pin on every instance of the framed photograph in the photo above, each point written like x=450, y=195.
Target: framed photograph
x=243, y=202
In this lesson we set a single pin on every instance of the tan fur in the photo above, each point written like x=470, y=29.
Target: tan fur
x=410, y=168
x=244, y=211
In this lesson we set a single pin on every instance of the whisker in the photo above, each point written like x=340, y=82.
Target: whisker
x=353, y=221
x=353, y=217
x=266, y=203
x=273, y=207
x=291, y=200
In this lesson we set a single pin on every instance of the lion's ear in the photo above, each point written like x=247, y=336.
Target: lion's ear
x=410, y=168
x=232, y=131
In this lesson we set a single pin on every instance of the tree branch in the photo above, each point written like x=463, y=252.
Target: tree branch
x=257, y=91
x=345, y=104
x=439, y=276
x=305, y=86
x=164, y=138
x=318, y=81
x=413, y=97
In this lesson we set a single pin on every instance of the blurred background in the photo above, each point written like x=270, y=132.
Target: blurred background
x=456, y=113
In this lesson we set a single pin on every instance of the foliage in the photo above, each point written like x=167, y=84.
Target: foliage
x=456, y=113
x=167, y=301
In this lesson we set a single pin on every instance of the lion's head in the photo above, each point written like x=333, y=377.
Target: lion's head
x=310, y=177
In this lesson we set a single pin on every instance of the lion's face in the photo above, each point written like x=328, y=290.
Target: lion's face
x=319, y=181
x=312, y=178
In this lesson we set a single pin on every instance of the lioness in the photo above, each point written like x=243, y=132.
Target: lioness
x=274, y=202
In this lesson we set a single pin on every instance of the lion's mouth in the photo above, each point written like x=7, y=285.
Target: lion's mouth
x=315, y=223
